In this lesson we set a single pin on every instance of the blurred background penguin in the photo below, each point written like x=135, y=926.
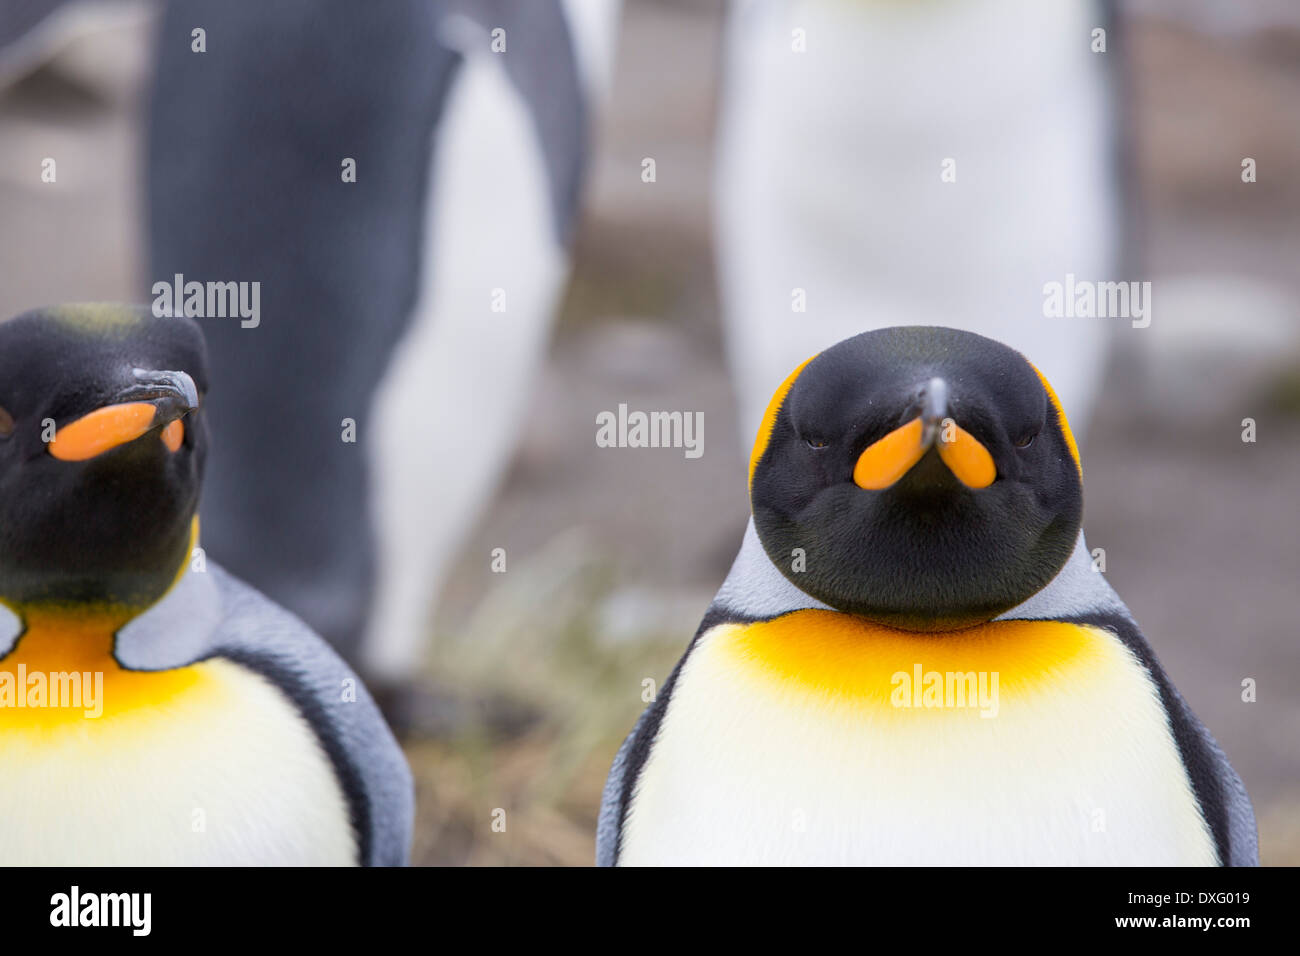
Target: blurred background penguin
x=767, y=178
x=840, y=123
x=403, y=180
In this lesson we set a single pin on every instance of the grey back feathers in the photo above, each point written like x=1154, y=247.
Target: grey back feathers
x=1217, y=784
x=616, y=796
x=212, y=614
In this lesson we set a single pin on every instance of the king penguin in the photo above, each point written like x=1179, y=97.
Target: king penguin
x=409, y=294
x=912, y=660
x=154, y=710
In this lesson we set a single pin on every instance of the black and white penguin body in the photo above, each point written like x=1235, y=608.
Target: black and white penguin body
x=153, y=709
x=913, y=660
x=402, y=182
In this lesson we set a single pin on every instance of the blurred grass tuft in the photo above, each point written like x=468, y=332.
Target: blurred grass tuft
x=536, y=640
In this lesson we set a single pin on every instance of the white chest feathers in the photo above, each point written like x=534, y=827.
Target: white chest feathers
x=798, y=741
x=208, y=766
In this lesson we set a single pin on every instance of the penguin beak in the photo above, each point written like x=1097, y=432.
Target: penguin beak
x=158, y=399
x=934, y=407
x=886, y=461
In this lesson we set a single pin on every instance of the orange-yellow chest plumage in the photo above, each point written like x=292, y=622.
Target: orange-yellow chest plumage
x=859, y=665
x=204, y=764
x=62, y=674
x=818, y=737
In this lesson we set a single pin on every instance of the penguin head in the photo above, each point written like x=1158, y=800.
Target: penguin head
x=929, y=476
x=102, y=444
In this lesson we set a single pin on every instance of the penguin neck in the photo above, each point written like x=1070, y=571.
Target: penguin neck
x=63, y=674
x=68, y=634
x=66, y=573
x=56, y=674
x=62, y=662
x=756, y=589
x=68, y=637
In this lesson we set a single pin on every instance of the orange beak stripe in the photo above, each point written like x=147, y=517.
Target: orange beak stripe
x=102, y=430
x=886, y=461
x=173, y=435
x=890, y=458
x=966, y=457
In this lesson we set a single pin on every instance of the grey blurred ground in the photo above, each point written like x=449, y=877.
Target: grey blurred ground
x=613, y=555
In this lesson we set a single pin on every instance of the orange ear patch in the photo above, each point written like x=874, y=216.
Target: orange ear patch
x=102, y=430
x=769, y=418
x=965, y=456
x=1061, y=420
x=173, y=435
x=886, y=461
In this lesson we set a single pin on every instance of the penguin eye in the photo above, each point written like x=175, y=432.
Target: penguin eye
x=6, y=424
x=1027, y=440
x=815, y=443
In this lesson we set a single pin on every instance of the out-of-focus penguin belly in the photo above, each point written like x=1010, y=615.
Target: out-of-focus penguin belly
x=206, y=765
x=829, y=180
x=796, y=741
